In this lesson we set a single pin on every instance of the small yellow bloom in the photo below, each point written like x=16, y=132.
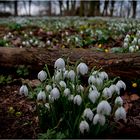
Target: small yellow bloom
x=18, y=114
x=106, y=50
x=134, y=85
x=63, y=46
x=100, y=45
x=11, y=110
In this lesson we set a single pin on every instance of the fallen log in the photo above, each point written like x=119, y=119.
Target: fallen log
x=126, y=65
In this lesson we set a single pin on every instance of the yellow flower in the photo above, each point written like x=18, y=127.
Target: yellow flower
x=134, y=85
x=100, y=45
x=11, y=110
x=18, y=114
x=106, y=50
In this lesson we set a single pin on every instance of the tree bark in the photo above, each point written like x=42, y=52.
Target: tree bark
x=125, y=65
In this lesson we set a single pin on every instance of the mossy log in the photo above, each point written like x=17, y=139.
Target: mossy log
x=126, y=65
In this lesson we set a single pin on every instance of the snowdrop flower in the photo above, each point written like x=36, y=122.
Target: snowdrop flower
x=120, y=113
x=107, y=93
x=77, y=100
x=114, y=89
x=93, y=96
x=42, y=75
x=120, y=84
x=82, y=68
x=51, y=99
x=104, y=108
x=80, y=88
x=126, y=40
x=48, y=88
x=48, y=42
x=65, y=73
x=71, y=75
x=139, y=42
x=41, y=96
x=67, y=92
x=99, y=118
x=125, y=44
x=131, y=49
x=59, y=64
x=47, y=106
x=94, y=73
x=62, y=84
x=118, y=101
x=92, y=87
x=55, y=93
x=99, y=82
x=88, y=113
x=23, y=90
x=103, y=75
x=70, y=97
x=91, y=80
x=136, y=47
x=84, y=126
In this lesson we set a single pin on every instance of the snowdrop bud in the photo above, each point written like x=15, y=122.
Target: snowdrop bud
x=84, y=126
x=82, y=68
x=125, y=44
x=48, y=88
x=47, y=106
x=107, y=93
x=42, y=75
x=131, y=49
x=104, y=108
x=95, y=73
x=99, y=82
x=48, y=42
x=71, y=97
x=91, y=80
x=120, y=113
x=51, y=99
x=41, y=96
x=88, y=113
x=114, y=89
x=93, y=96
x=92, y=88
x=23, y=90
x=80, y=88
x=77, y=100
x=103, y=75
x=99, y=118
x=126, y=39
x=55, y=93
x=67, y=92
x=66, y=73
x=118, y=101
x=120, y=84
x=136, y=47
x=139, y=42
x=62, y=84
x=59, y=64
x=71, y=75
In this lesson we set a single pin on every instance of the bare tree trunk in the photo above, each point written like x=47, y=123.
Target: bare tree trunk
x=82, y=8
x=106, y=3
x=16, y=7
x=50, y=8
x=121, y=8
x=73, y=7
x=112, y=7
x=30, y=3
x=60, y=6
x=134, y=7
x=124, y=65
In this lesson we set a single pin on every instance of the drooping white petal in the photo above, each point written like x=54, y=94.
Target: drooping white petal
x=120, y=84
x=67, y=92
x=62, y=84
x=55, y=93
x=107, y=93
x=77, y=100
x=71, y=75
x=120, y=113
x=99, y=118
x=88, y=114
x=23, y=90
x=93, y=96
x=114, y=89
x=91, y=80
x=104, y=108
x=59, y=64
x=42, y=75
x=41, y=96
x=118, y=101
x=82, y=68
x=80, y=88
x=48, y=88
x=103, y=75
x=84, y=126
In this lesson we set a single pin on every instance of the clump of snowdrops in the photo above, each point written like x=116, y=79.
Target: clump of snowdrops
x=70, y=107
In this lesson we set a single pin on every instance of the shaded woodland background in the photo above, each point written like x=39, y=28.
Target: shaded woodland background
x=112, y=8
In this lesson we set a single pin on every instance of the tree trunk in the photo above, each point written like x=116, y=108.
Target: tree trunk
x=106, y=3
x=112, y=7
x=134, y=6
x=125, y=65
x=16, y=8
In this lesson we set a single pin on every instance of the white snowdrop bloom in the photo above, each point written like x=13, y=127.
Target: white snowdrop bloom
x=114, y=89
x=51, y=99
x=66, y=73
x=120, y=84
x=103, y=75
x=23, y=43
x=125, y=44
x=93, y=96
x=59, y=64
x=118, y=101
x=41, y=96
x=58, y=75
x=71, y=75
x=84, y=126
x=88, y=113
x=139, y=42
x=55, y=93
x=131, y=49
x=107, y=93
x=91, y=80
x=126, y=39
x=62, y=84
x=136, y=47
x=67, y=92
x=77, y=100
x=99, y=82
x=23, y=90
x=48, y=88
x=92, y=87
x=99, y=118
x=70, y=97
x=134, y=41
x=120, y=113
x=48, y=42
x=80, y=88
x=42, y=75
x=82, y=68
x=31, y=41
x=94, y=73
x=47, y=105
x=104, y=108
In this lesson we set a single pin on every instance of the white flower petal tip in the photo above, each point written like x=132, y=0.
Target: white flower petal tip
x=99, y=119
x=55, y=93
x=77, y=100
x=23, y=90
x=121, y=85
x=42, y=75
x=84, y=126
x=119, y=101
x=59, y=64
x=41, y=96
x=82, y=68
x=88, y=114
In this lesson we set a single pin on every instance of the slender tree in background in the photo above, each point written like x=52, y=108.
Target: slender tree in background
x=121, y=8
x=134, y=8
x=30, y=3
x=106, y=3
x=82, y=8
x=112, y=7
x=60, y=6
x=16, y=7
